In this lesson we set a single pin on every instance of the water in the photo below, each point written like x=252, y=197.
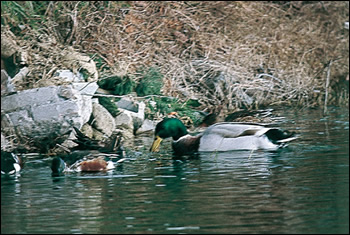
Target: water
x=300, y=189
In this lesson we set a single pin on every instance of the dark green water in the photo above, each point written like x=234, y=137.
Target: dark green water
x=300, y=189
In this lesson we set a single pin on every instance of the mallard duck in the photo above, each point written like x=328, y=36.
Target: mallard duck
x=224, y=136
x=10, y=163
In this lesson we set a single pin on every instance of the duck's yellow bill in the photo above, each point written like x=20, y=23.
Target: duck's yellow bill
x=156, y=144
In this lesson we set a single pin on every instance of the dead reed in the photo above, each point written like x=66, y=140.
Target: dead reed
x=227, y=55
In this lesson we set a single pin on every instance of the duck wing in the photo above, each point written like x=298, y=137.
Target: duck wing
x=248, y=114
x=110, y=145
x=84, y=142
x=238, y=136
x=235, y=130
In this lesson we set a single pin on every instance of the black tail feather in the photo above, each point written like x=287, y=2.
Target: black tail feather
x=111, y=145
x=277, y=136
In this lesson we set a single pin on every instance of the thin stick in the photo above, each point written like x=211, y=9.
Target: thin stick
x=327, y=85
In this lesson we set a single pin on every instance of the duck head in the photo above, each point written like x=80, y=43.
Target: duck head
x=57, y=166
x=169, y=127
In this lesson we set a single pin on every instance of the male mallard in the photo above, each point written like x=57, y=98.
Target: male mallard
x=10, y=163
x=224, y=136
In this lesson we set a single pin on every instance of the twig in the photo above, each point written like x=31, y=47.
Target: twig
x=122, y=96
x=64, y=148
x=327, y=85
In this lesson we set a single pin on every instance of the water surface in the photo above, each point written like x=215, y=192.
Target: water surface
x=303, y=188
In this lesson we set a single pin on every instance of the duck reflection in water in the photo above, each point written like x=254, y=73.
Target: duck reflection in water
x=11, y=163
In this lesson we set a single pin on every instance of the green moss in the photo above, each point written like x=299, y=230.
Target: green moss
x=150, y=82
x=118, y=85
x=165, y=105
x=110, y=105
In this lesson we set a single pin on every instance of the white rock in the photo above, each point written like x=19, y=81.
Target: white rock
x=86, y=88
x=125, y=124
x=124, y=120
x=147, y=126
x=69, y=76
x=103, y=120
x=87, y=130
x=127, y=104
x=138, y=117
x=45, y=113
x=97, y=135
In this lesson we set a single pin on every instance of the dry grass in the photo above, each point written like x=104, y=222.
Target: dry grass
x=225, y=54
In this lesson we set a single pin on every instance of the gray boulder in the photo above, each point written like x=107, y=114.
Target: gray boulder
x=124, y=124
x=127, y=104
x=102, y=120
x=134, y=109
x=42, y=115
x=148, y=126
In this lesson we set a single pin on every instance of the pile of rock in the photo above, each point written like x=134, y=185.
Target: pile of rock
x=47, y=114
x=60, y=99
x=130, y=121
x=40, y=118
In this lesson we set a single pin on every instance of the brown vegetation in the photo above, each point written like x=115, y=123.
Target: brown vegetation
x=225, y=54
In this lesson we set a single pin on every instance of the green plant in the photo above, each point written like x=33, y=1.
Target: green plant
x=30, y=13
x=150, y=83
x=110, y=105
x=118, y=85
x=165, y=105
